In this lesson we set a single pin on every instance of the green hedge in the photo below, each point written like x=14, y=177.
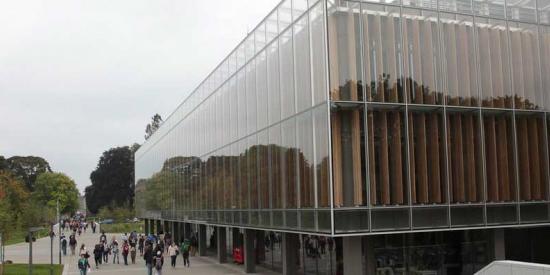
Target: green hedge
x=37, y=269
x=122, y=227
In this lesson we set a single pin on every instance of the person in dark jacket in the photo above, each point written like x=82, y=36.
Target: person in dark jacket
x=98, y=251
x=148, y=257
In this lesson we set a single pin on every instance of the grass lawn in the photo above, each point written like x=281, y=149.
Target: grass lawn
x=37, y=269
x=19, y=236
x=122, y=227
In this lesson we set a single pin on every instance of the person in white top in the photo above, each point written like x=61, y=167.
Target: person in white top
x=173, y=251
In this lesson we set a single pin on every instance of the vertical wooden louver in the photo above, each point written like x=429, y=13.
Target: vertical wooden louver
x=343, y=64
x=531, y=158
x=499, y=157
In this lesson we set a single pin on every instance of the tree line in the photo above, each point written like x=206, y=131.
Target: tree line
x=29, y=192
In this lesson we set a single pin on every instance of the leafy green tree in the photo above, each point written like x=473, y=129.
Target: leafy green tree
x=50, y=187
x=152, y=127
x=3, y=163
x=27, y=169
x=14, y=199
x=112, y=180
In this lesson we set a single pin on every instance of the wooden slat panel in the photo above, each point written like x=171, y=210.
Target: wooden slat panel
x=433, y=158
x=496, y=67
x=412, y=160
x=373, y=177
x=356, y=158
x=396, y=159
x=457, y=162
x=463, y=73
x=428, y=70
x=421, y=157
x=485, y=67
x=337, y=159
x=390, y=69
x=417, y=63
x=523, y=155
x=503, y=158
x=504, y=57
x=367, y=58
x=384, y=159
x=534, y=157
x=470, y=159
x=452, y=63
x=491, y=159
x=377, y=55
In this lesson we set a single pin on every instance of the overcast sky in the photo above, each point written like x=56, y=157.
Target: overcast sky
x=78, y=77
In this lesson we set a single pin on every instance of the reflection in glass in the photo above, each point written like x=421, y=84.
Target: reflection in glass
x=286, y=71
x=305, y=160
x=344, y=51
x=275, y=167
x=544, y=38
x=318, y=53
x=289, y=163
x=320, y=120
x=302, y=64
x=382, y=53
x=421, y=56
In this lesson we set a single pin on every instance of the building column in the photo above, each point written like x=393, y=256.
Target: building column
x=236, y=233
x=146, y=226
x=157, y=227
x=166, y=227
x=249, y=253
x=187, y=230
x=175, y=233
x=370, y=259
x=351, y=252
x=202, y=239
x=222, y=244
x=260, y=246
x=498, y=246
x=290, y=244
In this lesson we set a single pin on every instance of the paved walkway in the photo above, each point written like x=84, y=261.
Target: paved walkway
x=19, y=253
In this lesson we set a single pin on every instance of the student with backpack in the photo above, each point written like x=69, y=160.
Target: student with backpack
x=97, y=255
x=185, y=252
x=159, y=262
x=63, y=244
x=83, y=264
x=125, y=252
x=72, y=244
x=148, y=258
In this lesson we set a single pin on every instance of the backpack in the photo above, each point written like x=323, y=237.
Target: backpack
x=82, y=264
x=158, y=263
x=185, y=247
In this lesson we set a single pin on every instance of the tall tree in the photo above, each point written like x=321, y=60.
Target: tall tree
x=112, y=180
x=152, y=127
x=27, y=169
x=3, y=163
x=50, y=187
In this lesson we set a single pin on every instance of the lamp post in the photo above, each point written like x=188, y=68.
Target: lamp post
x=52, y=235
x=59, y=229
x=31, y=239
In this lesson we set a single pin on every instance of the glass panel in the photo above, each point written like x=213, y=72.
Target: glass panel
x=543, y=6
x=251, y=114
x=462, y=6
x=458, y=53
x=544, y=38
x=427, y=151
x=285, y=15
x=261, y=89
x=521, y=10
x=241, y=91
x=234, y=108
x=318, y=53
x=320, y=117
x=289, y=156
x=491, y=8
x=465, y=155
x=263, y=169
x=492, y=39
x=287, y=74
x=430, y=217
x=424, y=4
x=525, y=66
x=531, y=152
x=348, y=174
x=275, y=151
x=302, y=64
x=273, y=93
x=387, y=156
x=243, y=175
x=305, y=160
x=271, y=27
x=345, y=51
x=298, y=8
x=252, y=169
x=421, y=57
x=382, y=46
x=499, y=156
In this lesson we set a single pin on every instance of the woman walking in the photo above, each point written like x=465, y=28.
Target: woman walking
x=114, y=249
x=133, y=254
x=173, y=251
x=125, y=251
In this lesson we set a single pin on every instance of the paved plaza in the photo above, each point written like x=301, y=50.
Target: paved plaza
x=19, y=253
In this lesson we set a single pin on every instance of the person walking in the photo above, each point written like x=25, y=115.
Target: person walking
x=97, y=255
x=115, y=250
x=72, y=244
x=141, y=243
x=148, y=258
x=106, y=252
x=63, y=244
x=125, y=252
x=159, y=262
x=185, y=252
x=133, y=253
x=83, y=265
x=194, y=244
x=173, y=251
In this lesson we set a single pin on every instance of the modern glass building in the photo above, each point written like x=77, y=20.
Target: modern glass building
x=362, y=137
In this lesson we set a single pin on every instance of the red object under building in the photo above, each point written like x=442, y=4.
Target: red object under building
x=238, y=255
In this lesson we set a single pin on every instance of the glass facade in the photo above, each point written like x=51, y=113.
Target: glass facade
x=338, y=117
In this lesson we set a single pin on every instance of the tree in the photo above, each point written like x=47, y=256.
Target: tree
x=112, y=180
x=14, y=199
x=50, y=187
x=152, y=127
x=27, y=169
x=3, y=163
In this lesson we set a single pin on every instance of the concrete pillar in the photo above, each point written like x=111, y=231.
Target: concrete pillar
x=236, y=234
x=222, y=244
x=249, y=251
x=166, y=227
x=290, y=243
x=157, y=227
x=351, y=250
x=202, y=240
x=187, y=230
x=260, y=246
x=370, y=259
x=498, y=246
x=146, y=226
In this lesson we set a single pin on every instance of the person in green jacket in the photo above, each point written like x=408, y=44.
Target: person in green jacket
x=184, y=248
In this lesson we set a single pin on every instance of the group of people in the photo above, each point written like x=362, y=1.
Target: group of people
x=127, y=246
x=156, y=246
